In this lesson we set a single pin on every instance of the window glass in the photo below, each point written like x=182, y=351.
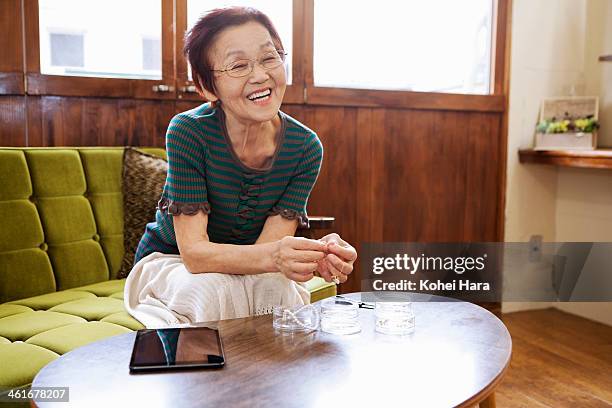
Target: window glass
x=66, y=49
x=111, y=38
x=279, y=11
x=416, y=45
x=151, y=54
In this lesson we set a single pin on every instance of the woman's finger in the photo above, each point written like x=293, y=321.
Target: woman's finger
x=307, y=256
x=334, y=237
x=324, y=272
x=303, y=267
x=299, y=277
x=339, y=240
x=337, y=274
x=307, y=244
x=343, y=267
x=347, y=253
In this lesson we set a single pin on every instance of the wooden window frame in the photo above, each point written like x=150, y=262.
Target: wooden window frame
x=294, y=93
x=37, y=83
x=11, y=63
x=494, y=102
x=302, y=90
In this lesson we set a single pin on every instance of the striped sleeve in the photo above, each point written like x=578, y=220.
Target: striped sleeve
x=185, y=190
x=292, y=204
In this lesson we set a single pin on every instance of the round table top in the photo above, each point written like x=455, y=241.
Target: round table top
x=455, y=357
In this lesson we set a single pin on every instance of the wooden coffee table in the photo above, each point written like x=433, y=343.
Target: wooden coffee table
x=457, y=355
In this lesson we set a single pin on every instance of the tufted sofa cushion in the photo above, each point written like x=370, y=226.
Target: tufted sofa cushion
x=67, y=224
x=61, y=246
x=35, y=331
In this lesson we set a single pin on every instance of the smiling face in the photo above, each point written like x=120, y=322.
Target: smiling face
x=244, y=99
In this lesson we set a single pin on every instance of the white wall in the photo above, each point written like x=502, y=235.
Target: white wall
x=555, y=45
x=599, y=80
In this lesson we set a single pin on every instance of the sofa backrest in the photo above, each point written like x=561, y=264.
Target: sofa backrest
x=62, y=218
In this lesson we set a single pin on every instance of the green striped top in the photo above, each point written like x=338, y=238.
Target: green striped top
x=205, y=174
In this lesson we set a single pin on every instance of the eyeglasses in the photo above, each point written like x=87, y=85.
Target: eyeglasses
x=244, y=67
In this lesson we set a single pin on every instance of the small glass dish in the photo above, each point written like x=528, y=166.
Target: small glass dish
x=302, y=318
x=394, y=318
x=340, y=316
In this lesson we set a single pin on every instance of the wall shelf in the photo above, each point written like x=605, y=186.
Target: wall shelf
x=605, y=58
x=594, y=159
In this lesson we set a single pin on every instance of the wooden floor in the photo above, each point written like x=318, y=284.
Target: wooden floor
x=558, y=360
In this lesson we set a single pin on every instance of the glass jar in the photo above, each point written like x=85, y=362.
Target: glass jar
x=340, y=316
x=394, y=318
x=296, y=318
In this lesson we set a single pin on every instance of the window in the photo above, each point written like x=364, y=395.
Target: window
x=100, y=39
x=434, y=54
x=66, y=49
x=151, y=54
x=279, y=11
x=412, y=45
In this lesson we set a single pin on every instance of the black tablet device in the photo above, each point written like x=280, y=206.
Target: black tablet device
x=175, y=348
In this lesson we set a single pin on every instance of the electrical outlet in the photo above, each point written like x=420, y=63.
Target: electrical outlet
x=535, y=248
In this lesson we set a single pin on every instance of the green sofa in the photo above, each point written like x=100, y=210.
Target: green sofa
x=61, y=245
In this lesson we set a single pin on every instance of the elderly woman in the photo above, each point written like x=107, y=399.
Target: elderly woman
x=240, y=174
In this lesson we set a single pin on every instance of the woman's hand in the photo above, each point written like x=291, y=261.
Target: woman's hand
x=297, y=258
x=339, y=259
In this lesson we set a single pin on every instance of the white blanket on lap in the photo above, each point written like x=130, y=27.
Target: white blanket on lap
x=161, y=292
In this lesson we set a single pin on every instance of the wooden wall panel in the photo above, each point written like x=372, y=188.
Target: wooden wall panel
x=182, y=106
x=407, y=169
x=406, y=175
x=149, y=122
x=370, y=170
x=34, y=121
x=100, y=119
x=335, y=192
x=52, y=119
x=75, y=121
x=448, y=166
x=482, y=186
x=12, y=121
x=433, y=164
